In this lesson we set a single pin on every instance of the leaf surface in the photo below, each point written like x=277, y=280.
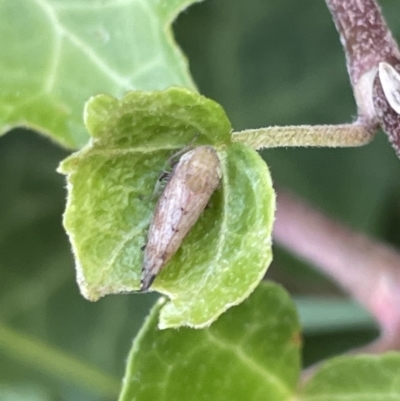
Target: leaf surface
x=251, y=353
x=110, y=205
x=56, y=54
x=356, y=378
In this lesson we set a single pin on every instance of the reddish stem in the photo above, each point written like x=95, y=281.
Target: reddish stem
x=367, y=41
x=367, y=269
x=364, y=34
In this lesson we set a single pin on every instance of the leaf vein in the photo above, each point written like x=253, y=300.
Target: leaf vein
x=250, y=363
x=79, y=44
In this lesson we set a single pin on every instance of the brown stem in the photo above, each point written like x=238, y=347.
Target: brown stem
x=364, y=34
x=367, y=269
x=369, y=47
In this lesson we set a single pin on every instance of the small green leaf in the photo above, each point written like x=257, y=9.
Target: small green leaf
x=251, y=353
x=356, y=378
x=56, y=54
x=110, y=205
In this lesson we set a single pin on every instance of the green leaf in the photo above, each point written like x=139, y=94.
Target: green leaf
x=111, y=203
x=356, y=378
x=56, y=54
x=251, y=353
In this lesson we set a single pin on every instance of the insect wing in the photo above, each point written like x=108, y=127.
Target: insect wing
x=193, y=181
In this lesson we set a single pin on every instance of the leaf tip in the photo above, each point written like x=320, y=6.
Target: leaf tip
x=97, y=109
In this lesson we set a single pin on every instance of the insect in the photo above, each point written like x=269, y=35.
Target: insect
x=193, y=180
x=390, y=80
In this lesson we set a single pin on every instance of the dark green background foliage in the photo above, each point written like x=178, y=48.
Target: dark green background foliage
x=267, y=63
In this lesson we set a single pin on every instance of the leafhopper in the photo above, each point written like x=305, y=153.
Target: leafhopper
x=193, y=180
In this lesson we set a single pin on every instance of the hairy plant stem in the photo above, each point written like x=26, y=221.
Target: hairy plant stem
x=344, y=135
x=364, y=35
x=367, y=269
x=370, y=49
x=370, y=52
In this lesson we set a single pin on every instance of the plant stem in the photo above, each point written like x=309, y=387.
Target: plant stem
x=369, y=47
x=52, y=361
x=367, y=43
x=368, y=270
x=364, y=34
x=344, y=135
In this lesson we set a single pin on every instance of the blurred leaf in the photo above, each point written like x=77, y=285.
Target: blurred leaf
x=110, y=205
x=38, y=292
x=323, y=345
x=321, y=314
x=23, y=392
x=52, y=361
x=358, y=378
x=251, y=353
x=56, y=54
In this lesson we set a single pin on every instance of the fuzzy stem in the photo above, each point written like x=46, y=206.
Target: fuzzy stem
x=367, y=41
x=345, y=135
x=364, y=34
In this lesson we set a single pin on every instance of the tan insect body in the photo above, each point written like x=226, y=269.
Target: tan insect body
x=193, y=181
